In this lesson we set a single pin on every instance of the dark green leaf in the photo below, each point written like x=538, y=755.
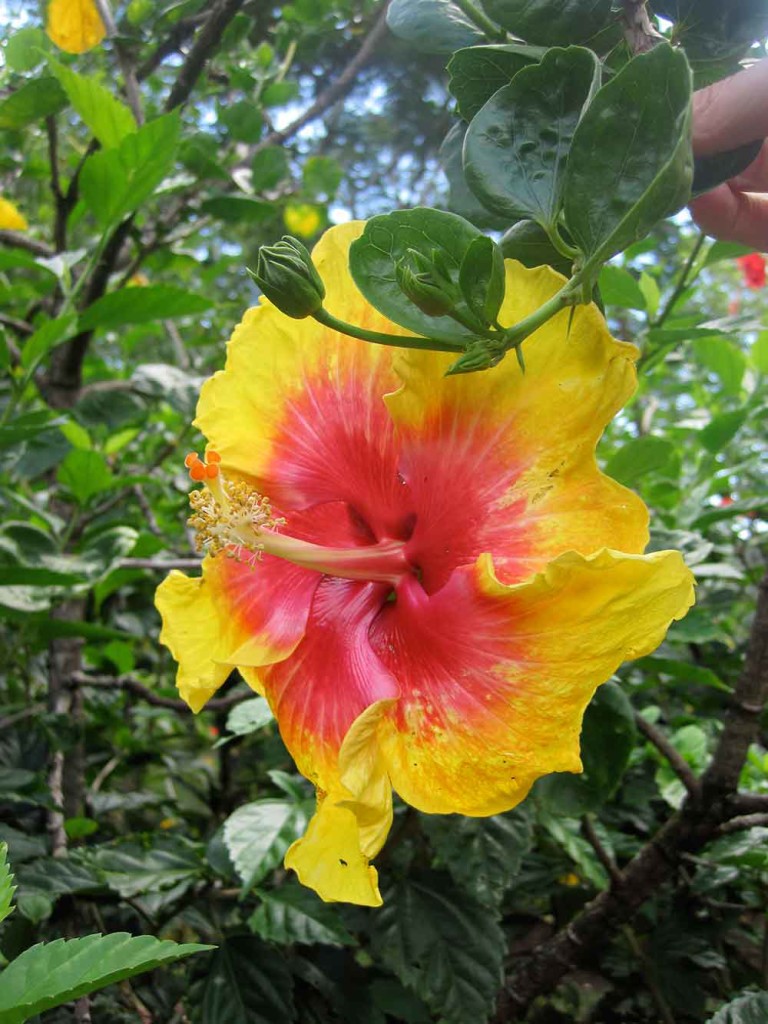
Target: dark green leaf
x=293, y=913
x=541, y=21
x=713, y=29
x=435, y=26
x=51, y=334
x=643, y=455
x=682, y=672
x=105, y=116
x=639, y=120
x=386, y=239
x=517, y=146
x=607, y=739
x=483, y=855
x=442, y=944
x=132, y=869
x=140, y=305
x=58, y=972
x=238, y=209
x=269, y=168
x=277, y=94
x=711, y=171
x=35, y=100
x=243, y=120
x=529, y=243
x=478, y=71
x=460, y=199
x=247, y=982
x=725, y=251
x=7, y=888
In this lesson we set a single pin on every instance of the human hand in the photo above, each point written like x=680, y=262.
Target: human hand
x=728, y=114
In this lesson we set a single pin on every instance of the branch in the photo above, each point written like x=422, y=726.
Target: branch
x=160, y=565
x=743, y=822
x=131, y=685
x=124, y=60
x=336, y=90
x=202, y=48
x=15, y=240
x=677, y=762
x=700, y=820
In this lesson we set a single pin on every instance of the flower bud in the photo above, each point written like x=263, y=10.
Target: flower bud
x=426, y=282
x=482, y=279
x=479, y=355
x=288, y=277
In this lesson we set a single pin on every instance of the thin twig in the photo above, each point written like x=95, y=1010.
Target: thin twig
x=138, y=689
x=677, y=762
x=160, y=564
x=336, y=90
x=203, y=47
x=742, y=822
x=603, y=855
x=16, y=240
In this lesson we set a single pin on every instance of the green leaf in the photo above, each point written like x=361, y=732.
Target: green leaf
x=650, y=289
x=722, y=358
x=249, y=716
x=541, y=21
x=565, y=832
x=517, y=145
x=619, y=288
x=483, y=855
x=639, y=120
x=682, y=672
x=691, y=742
x=238, y=209
x=386, y=239
x=321, y=177
x=115, y=182
x=433, y=26
x=52, y=973
x=45, y=338
x=722, y=429
x=269, y=168
x=108, y=118
x=711, y=171
x=247, y=982
x=461, y=200
x=442, y=944
x=749, y=1009
x=607, y=739
x=25, y=49
x=638, y=457
x=85, y=473
x=35, y=100
x=132, y=869
x=140, y=305
x=759, y=353
x=258, y=834
x=529, y=243
x=477, y=72
x=7, y=888
x=277, y=94
x=719, y=251
x=293, y=913
x=243, y=120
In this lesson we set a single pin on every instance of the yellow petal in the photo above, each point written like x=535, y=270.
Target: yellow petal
x=74, y=25
x=471, y=738
x=272, y=359
x=10, y=218
x=543, y=425
x=351, y=822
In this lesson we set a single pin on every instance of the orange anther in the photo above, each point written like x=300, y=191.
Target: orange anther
x=212, y=472
x=197, y=471
x=212, y=457
x=191, y=459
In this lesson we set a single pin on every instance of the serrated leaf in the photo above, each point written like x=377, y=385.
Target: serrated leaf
x=293, y=913
x=7, y=888
x=140, y=305
x=258, y=834
x=84, y=474
x=640, y=120
x=52, y=973
x=249, y=716
x=478, y=71
x=434, y=26
x=483, y=855
x=101, y=112
x=443, y=944
x=386, y=239
x=35, y=100
x=247, y=982
x=541, y=21
x=749, y=1009
x=517, y=145
x=133, y=870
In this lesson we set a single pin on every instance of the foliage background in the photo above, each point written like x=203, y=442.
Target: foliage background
x=122, y=811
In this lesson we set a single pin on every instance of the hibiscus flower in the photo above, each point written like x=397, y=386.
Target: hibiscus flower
x=753, y=269
x=426, y=576
x=75, y=26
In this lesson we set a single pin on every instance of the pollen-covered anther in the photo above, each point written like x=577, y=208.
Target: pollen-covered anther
x=231, y=519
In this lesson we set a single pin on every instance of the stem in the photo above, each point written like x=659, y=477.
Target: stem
x=682, y=283
x=482, y=21
x=430, y=344
x=516, y=335
x=557, y=240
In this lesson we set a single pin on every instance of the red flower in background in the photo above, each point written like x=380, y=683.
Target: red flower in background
x=753, y=269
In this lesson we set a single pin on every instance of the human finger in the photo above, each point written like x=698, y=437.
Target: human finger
x=731, y=112
x=733, y=216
